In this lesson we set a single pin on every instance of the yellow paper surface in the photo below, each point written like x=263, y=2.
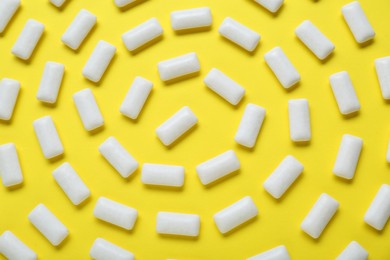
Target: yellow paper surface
x=279, y=220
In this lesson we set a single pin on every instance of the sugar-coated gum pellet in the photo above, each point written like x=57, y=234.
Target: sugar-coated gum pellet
x=271, y=5
x=179, y=66
x=99, y=60
x=171, y=223
x=119, y=158
x=9, y=91
x=224, y=86
x=382, y=66
x=115, y=213
x=78, y=30
x=283, y=176
x=48, y=137
x=250, y=125
x=378, y=213
x=71, y=183
x=48, y=224
x=299, y=119
x=105, y=250
x=348, y=156
x=123, y=3
x=191, y=18
x=175, y=126
x=10, y=171
x=57, y=3
x=344, y=93
x=218, y=167
x=136, y=97
x=239, y=34
x=314, y=39
x=8, y=9
x=163, y=175
x=276, y=253
x=354, y=251
x=235, y=214
x=13, y=248
x=358, y=22
x=388, y=152
x=282, y=67
x=28, y=39
x=142, y=34
x=50, y=82
x=88, y=109
x=319, y=215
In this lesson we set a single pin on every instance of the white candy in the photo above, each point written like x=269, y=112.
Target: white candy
x=276, y=253
x=353, y=251
x=136, y=97
x=122, y=3
x=142, y=34
x=235, y=214
x=320, y=215
x=28, y=39
x=345, y=94
x=250, y=125
x=388, y=153
x=8, y=9
x=57, y=3
x=299, y=118
x=379, y=211
x=271, y=5
x=13, y=248
x=348, y=156
x=176, y=125
x=78, y=30
x=10, y=171
x=178, y=224
x=71, y=183
x=164, y=175
x=118, y=157
x=224, y=86
x=115, y=213
x=179, y=66
x=282, y=67
x=105, y=250
x=283, y=176
x=48, y=224
x=357, y=22
x=218, y=167
x=9, y=90
x=314, y=39
x=382, y=66
x=48, y=138
x=239, y=34
x=50, y=82
x=99, y=61
x=88, y=109
x=191, y=18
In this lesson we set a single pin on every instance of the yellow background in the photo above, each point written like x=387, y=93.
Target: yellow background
x=278, y=221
